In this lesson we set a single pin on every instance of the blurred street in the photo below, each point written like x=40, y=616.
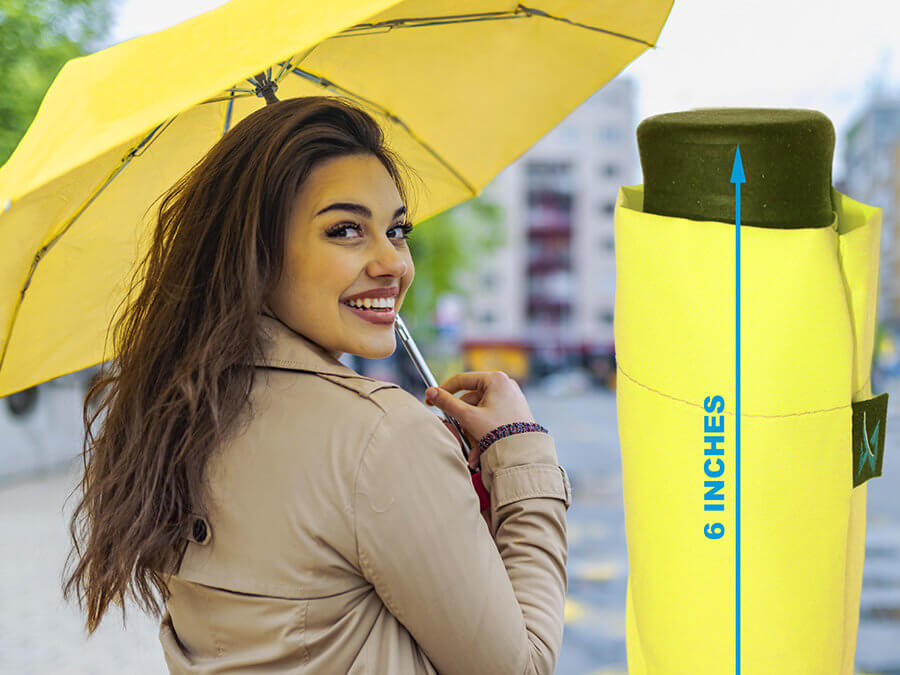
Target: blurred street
x=39, y=634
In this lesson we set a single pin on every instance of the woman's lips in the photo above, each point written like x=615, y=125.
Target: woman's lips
x=383, y=317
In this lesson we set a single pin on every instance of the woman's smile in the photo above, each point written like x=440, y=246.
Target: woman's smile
x=376, y=315
x=376, y=306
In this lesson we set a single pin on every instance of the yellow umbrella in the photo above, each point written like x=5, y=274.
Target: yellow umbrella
x=461, y=89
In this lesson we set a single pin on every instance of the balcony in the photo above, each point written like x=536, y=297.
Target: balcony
x=547, y=216
x=540, y=306
x=548, y=264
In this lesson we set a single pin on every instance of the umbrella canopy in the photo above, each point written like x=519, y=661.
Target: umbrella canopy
x=460, y=88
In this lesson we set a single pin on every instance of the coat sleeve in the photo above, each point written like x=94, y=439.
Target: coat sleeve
x=474, y=603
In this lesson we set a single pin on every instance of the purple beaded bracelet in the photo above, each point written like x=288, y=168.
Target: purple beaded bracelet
x=507, y=430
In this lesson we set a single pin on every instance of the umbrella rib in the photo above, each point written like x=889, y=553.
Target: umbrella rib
x=521, y=12
x=135, y=151
x=449, y=18
x=148, y=140
x=228, y=112
x=328, y=84
x=286, y=66
x=372, y=29
x=538, y=12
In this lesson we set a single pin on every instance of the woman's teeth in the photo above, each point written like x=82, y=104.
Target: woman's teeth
x=384, y=304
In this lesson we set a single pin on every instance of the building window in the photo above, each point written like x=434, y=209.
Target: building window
x=610, y=170
x=22, y=402
x=609, y=134
x=607, y=208
x=606, y=316
x=488, y=317
x=570, y=134
x=608, y=243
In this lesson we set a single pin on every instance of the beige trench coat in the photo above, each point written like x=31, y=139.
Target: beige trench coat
x=344, y=536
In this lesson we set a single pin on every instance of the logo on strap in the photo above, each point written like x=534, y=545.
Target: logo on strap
x=868, y=444
x=867, y=456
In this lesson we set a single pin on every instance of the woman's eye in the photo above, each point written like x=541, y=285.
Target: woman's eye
x=405, y=228
x=339, y=230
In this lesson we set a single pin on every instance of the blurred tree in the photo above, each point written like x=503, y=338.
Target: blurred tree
x=445, y=248
x=36, y=38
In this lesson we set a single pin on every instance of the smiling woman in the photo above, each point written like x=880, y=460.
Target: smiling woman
x=293, y=514
x=352, y=249
x=245, y=227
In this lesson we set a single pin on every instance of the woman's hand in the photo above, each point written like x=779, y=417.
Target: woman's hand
x=472, y=398
x=492, y=399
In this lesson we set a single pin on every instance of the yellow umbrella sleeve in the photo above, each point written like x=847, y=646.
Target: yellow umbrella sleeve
x=808, y=304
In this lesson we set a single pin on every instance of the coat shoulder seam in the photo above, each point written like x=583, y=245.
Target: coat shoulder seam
x=362, y=457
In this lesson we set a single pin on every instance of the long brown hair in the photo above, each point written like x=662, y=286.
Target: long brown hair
x=178, y=381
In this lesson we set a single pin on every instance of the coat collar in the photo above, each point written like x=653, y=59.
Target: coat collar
x=286, y=348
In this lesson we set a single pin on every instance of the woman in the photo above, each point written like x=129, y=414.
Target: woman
x=294, y=514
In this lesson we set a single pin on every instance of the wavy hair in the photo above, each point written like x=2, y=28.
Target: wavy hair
x=178, y=382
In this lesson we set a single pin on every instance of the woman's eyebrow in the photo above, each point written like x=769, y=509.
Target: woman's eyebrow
x=356, y=208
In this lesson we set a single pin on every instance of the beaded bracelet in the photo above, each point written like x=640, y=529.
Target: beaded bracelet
x=507, y=430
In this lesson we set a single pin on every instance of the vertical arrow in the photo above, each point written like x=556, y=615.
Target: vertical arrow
x=737, y=177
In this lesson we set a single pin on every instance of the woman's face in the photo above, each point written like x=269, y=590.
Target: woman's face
x=344, y=238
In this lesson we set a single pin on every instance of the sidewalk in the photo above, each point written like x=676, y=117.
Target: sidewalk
x=39, y=634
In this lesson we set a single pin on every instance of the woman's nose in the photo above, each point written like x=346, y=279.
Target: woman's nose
x=388, y=259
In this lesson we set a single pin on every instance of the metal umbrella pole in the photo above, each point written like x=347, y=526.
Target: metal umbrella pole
x=419, y=361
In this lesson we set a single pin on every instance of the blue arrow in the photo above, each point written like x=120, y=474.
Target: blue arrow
x=737, y=171
x=737, y=177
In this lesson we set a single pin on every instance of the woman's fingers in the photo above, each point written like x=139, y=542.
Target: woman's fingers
x=472, y=397
x=450, y=404
x=475, y=380
x=474, y=455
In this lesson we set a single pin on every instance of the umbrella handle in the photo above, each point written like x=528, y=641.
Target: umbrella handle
x=421, y=366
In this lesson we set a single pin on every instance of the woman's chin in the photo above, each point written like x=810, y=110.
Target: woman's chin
x=373, y=351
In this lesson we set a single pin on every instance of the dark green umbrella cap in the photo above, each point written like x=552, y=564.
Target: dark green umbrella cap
x=687, y=159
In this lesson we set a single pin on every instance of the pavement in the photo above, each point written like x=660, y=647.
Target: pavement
x=39, y=633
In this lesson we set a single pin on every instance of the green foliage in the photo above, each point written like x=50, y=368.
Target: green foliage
x=36, y=38
x=445, y=249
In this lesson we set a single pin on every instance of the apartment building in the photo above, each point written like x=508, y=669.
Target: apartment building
x=872, y=174
x=551, y=287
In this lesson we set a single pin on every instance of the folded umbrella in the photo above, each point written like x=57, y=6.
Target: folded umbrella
x=461, y=90
x=808, y=309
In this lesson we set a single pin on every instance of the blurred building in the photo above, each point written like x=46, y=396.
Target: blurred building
x=551, y=287
x=872, y=163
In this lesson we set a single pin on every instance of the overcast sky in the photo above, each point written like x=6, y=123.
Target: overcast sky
x=827, y=55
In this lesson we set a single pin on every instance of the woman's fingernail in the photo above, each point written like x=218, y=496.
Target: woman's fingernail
x=430, y=393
